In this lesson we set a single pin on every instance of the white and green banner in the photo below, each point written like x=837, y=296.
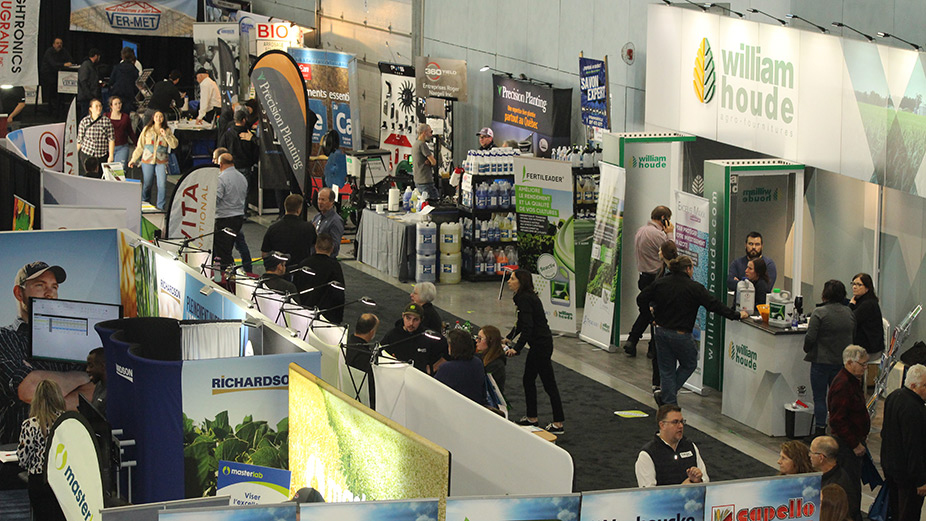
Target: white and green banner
x=546, y=245
x=252, y=484
x=691, y=237
x=603, y=290
x=73, y=469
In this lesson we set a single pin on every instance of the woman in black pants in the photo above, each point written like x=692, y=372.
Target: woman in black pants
x=533, y=329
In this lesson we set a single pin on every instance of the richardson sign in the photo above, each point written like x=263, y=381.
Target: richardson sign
x=440, y=78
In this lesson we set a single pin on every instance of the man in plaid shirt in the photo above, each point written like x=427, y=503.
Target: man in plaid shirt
x=849, y=421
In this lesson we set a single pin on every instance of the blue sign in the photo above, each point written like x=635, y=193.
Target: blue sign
x=252, y=484
x=340, y=114
x=593, y=84
x=321, y=125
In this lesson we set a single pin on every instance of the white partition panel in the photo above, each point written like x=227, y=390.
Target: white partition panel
x=523, y=464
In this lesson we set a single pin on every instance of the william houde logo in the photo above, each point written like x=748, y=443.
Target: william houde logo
x=704, y=72
x=648, y=161
x=750, y=83
x=761, y=195
x=741, y=354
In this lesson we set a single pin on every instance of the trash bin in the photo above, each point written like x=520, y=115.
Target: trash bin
x=798, y=421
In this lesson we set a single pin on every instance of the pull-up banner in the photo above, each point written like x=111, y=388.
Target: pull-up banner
x=151, y=18
x=192, y=207
x=593, y=83
x=280, y=89
x=328, y=82
x=400, y=108
x=19, y=43
x=73, y=469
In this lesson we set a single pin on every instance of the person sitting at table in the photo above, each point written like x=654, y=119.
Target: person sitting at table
x=154, y=144
x=424, y=295
x=489, y=349
x=670, y=458
x=408, y=342
x=794, y=458
x=757, y=274
x=737, y=271
x=463, y=372
x=327, y=269
x=274, y=276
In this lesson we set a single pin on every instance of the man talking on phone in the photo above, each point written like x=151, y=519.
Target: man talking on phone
x=646, y=242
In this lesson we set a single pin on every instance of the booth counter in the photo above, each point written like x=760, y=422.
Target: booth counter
x=763, y=369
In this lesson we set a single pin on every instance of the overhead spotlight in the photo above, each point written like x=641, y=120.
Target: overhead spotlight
x=911, y=44
x=699, y=6
x=484, y=68
x=779, y=20
x=724, y=9
x=822, y=29
x=854, y=30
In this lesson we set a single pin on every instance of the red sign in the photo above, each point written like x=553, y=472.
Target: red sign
x=50, y=149
x=306, y=71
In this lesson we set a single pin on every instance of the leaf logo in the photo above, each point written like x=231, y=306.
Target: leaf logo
x=704, y=72
x=225, y=470
x=61, y=452
x=634, y=162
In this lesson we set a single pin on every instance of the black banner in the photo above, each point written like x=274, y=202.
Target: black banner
x=228, y=83
x=523, y=110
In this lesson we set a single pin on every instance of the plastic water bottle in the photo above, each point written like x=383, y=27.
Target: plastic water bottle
x=493, y=195
x=407, y=198
x=504, y=193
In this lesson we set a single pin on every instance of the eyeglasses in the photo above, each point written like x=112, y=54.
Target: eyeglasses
x=857, y=284
x=675, y=423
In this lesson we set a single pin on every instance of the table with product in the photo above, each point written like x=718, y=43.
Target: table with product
x=764, y=369
x=196, y=143
x=387, y=244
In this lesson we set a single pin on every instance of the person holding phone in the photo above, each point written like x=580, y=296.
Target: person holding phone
x=646, y=242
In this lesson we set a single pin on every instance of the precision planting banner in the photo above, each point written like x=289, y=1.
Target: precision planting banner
x=602, y=296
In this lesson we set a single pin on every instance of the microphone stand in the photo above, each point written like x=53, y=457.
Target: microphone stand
x=185, y=242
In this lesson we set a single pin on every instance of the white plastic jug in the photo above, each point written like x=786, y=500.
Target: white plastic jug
x=450, y=237
x=450, y=267
x=745, y=296
x=427, y=238
x=780, y=308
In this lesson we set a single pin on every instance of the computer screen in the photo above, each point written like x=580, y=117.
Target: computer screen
x=131, y=44
x=63, y=329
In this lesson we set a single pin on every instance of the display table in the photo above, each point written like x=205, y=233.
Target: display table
x=763, y=369
x=387, y=244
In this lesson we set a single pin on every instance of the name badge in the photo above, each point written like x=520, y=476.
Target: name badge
x=686, y=454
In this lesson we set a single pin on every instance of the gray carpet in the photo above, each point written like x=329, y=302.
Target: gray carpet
x=603, y=446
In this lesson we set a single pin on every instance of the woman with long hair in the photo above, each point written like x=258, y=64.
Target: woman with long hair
x=532, y=328
x=463, y=371
x=869, y=325
x=154, y=144
x=757, y=273
x=95, y=137
x=489, y=348
x=47, y=405
x=122, y=129
x=794, y=458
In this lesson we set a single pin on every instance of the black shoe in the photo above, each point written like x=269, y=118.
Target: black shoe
x=651, y=351
x=630, y=349
x=553, y=429
x=525, y=422
x=657, y=395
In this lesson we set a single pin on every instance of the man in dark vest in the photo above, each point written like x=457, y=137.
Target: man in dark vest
x=670, y=458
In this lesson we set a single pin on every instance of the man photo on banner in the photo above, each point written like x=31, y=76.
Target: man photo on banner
x=20, y=373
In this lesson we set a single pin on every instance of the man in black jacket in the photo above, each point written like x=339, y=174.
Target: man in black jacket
x=670, y=458
x=408, y=342
x=327, y=269
x=55, y=58
x=823, y=453
x=164, y=94
x=903, y=446
x=88, y=83
x=241, y=143
x=358, y=350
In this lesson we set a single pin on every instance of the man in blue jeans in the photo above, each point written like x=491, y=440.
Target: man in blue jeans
x=423, y=162
x=674, y=301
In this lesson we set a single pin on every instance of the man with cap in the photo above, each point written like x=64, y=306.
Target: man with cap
x=210, y=102
x=275, y=274
x=423, y=162
x=19, y=374
x=408, y=343
x=486, y=139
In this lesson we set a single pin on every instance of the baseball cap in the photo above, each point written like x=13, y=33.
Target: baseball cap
x=202, y=70
x=275, y=259
x=36, y=269
x=412, y=309
x=486, y=131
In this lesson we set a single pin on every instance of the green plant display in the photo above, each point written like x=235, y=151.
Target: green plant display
x=252, y=442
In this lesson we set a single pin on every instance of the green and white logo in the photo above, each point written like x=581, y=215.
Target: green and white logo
x=648, y=161
x=761, y=195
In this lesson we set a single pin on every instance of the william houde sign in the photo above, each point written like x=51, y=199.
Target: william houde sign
x=440, y=78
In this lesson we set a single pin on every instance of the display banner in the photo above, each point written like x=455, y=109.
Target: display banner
x=400, y=111
x=602, y=295
x=192, y=207
x=171, y=287
x=221, y=61
x=676, y=503
x=72, y=467
x=236, y=409
x=70, y=140
x=784, y=498
x=546, y=235
x=285, y=512
x=595, y=97
x=280, y=88
x=19, y=55
x=225, y=10
x=23, y=214
x=123, y=200
x=521, y=508
x=440, y=78
x=252, y=484
x=131, y=17
x=247, y=25
x=524, y=111
x=214, y=306
x=279, y=36
x=42, y=145
x=328, y=79
x=692, y=236
x=411, y=510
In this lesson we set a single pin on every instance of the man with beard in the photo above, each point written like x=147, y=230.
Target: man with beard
x=737, y=271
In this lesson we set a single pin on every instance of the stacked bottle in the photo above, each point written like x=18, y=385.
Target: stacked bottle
x=450, y=259
x=501, y=227
x=426, y=252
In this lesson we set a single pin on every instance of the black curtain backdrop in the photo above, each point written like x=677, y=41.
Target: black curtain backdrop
x=162, y=53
